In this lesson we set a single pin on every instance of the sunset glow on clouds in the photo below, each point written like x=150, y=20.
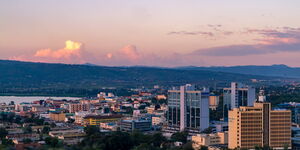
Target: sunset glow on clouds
x=282, y=41
x=153, y=33
x=72, y=53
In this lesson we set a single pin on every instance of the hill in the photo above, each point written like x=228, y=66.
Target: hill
x=273, y=70
x=32, y=77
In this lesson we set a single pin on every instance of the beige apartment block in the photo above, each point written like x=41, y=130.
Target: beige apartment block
x=259, y=126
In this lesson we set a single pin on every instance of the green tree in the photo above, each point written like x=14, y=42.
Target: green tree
x=27, y=141
x=27, y=129
x=52, y=142
x=7, y=142
x=204, y=147
x=179, y=137
x=188, y=146
x=118, y=141
x=145, y=146
x=52, y=125
x=91, y=130
x=158, y=139
x=3, y=133
x=138, y=137
x=46, y=130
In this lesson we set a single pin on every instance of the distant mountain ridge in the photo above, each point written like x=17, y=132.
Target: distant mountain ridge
x=273, y=70
x=16, y=74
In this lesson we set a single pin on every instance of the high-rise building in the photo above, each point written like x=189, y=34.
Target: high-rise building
x=188, y=109
x=259, y=126
x=238, y=95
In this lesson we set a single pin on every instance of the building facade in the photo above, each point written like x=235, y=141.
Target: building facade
x=188, y=108
x=95, y=120
x=238, y=95
x=213, y=101
x=58, y=116
x=259, y=126
x=129, y=125
x=295, y=109
x=220, y=138
x=78, y=107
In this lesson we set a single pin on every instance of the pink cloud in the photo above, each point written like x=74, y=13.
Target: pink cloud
x=130, y=52
x=268, y=42
x=71, y=53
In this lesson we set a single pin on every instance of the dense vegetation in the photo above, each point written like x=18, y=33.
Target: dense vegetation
x=282, y=94
x=62, y=79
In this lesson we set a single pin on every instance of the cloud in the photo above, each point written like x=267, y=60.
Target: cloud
x=73, y=52
x=277, y=42
x=209, y=30
x=214, y=25
x=130, y=52
x=130, y=55
x=210, y=34
x=269, y=41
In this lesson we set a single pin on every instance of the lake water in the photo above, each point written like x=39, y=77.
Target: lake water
x=19, y=99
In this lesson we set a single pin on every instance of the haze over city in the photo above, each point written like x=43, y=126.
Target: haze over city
x=151, y=33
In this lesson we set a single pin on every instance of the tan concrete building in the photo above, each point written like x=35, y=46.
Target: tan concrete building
x=78, y=107
x=58, y=116
x=220, y=138
x=39, y=108
x=213, y=102
x=259, y=126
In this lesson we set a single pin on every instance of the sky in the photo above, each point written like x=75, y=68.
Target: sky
x=164, y=33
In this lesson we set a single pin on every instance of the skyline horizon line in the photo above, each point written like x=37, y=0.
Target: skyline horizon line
x=150, y=66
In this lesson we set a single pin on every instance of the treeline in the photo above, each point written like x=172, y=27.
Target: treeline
x=281, y=94
x=63, y=92
x=118, y=140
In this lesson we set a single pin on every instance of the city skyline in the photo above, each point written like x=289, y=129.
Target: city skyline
x=151, y=33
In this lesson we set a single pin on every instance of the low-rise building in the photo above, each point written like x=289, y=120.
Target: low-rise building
x=219, y=138
x=109, y=126
x=130, y=125
x=78, y=107
x=95, y=120
x=219, y=126
x=57, y=116
x=39, y=108
x=161, y=97
x=79, y=117
x=158, y=120
x=17, y=138
x=70, y=137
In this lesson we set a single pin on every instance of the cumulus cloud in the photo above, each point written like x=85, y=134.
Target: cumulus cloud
x=126, y=55
x=73, y=52
x=130, y=55
x=273, y=41
x=130, y=52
